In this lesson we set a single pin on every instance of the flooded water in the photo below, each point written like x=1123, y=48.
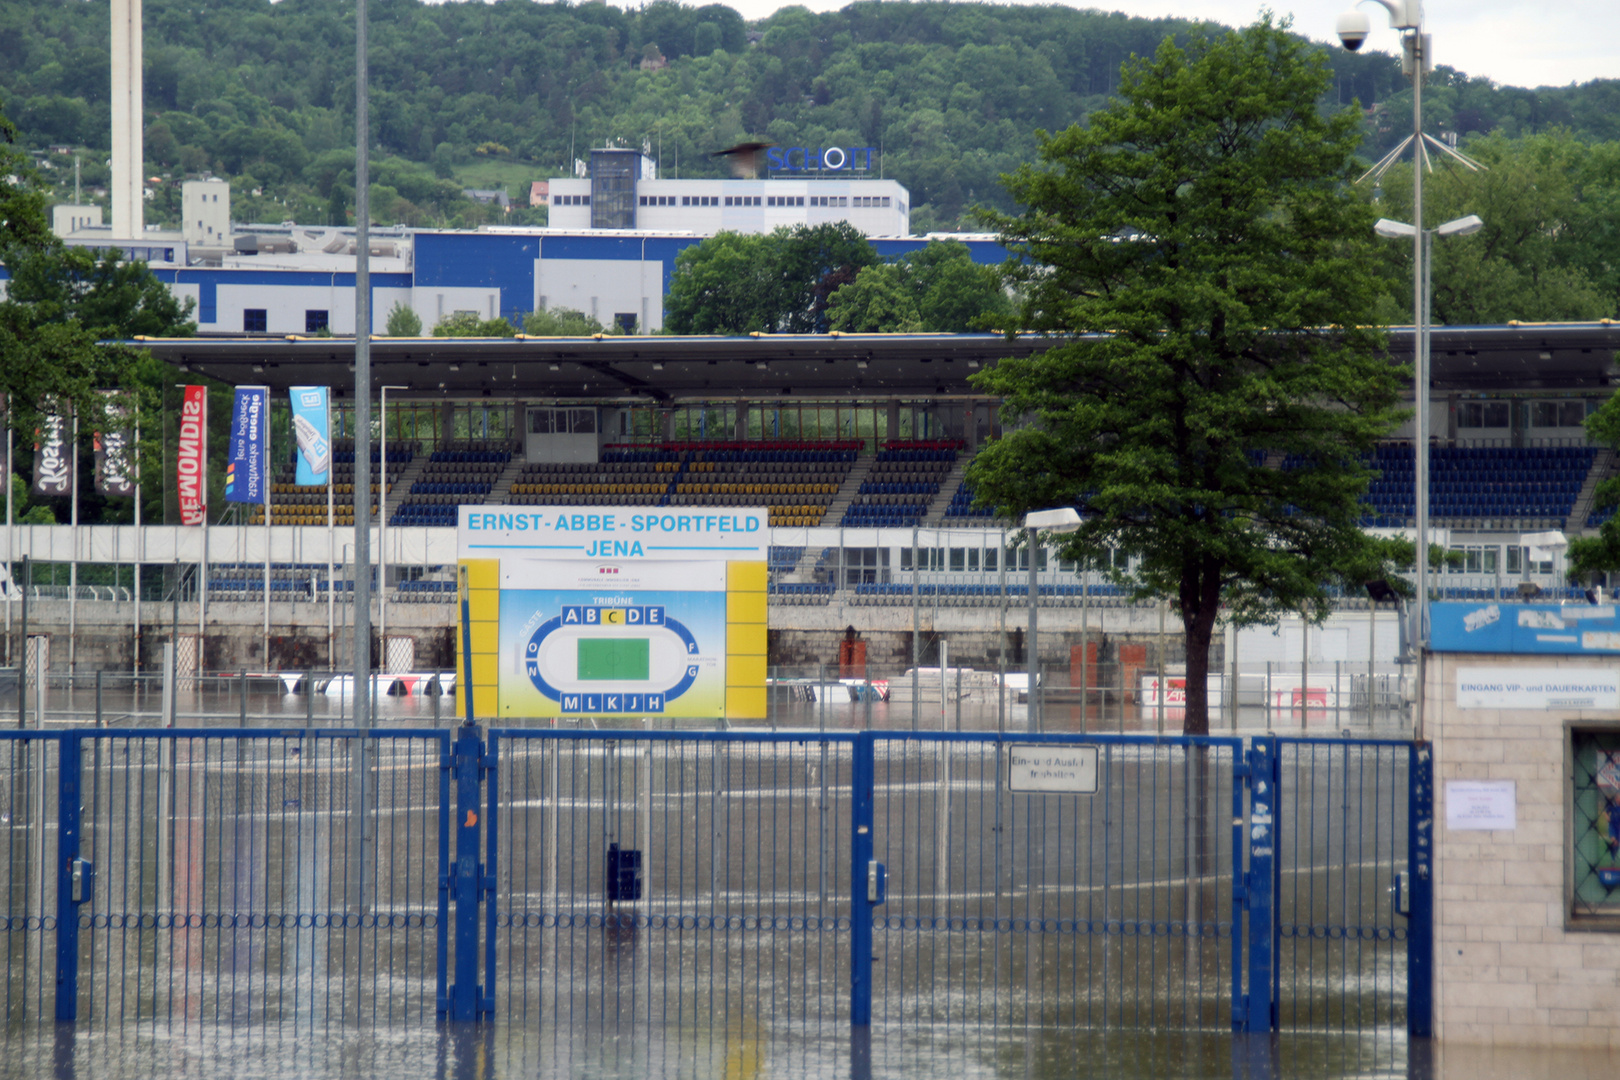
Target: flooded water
x=490, y=1052
x=265, y=700
x=238, y=861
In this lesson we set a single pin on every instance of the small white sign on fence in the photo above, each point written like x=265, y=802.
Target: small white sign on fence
x=1045, y=769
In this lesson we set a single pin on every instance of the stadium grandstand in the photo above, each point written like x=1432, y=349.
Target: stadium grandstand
x=857, y=444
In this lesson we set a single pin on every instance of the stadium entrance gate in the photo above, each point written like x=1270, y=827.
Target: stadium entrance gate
x=720, y=878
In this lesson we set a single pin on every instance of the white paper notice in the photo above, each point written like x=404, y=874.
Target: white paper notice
x=1481, y=804
x=1038, y=768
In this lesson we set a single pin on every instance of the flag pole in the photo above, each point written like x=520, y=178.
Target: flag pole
x=265, y=480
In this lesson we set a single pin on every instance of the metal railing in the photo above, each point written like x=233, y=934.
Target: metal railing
x=788, y=881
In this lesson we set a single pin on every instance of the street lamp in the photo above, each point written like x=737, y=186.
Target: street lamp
x=1406, y=16
x=1422, y=331
x=1065, y=519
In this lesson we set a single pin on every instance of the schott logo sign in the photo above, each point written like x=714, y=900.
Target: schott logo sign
x=827, y=159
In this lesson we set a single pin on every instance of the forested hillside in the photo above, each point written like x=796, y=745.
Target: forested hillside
x=474, y=94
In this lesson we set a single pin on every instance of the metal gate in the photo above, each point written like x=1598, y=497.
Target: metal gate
x=1116, y=908
x=730, y=880
x=698, y=879
x=253, y=876
x=1352, y=887
x=28, y=813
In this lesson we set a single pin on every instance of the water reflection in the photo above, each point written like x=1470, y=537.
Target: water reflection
x=495, y=1051
x=261, y=701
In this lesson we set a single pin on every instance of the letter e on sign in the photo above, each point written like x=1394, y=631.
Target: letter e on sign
x=1051, y=769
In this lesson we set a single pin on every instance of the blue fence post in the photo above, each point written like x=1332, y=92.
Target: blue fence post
x=465, y=991
x=860, y=906
x=1259, y=889
x=73, y=876
x=447, y=763
x=1420, y=921
x=486, y=999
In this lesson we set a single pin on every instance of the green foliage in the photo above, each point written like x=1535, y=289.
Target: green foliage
x=879, y=301
x=560, y=322
x=778, y=282
x=1591, y=554
x=1199, y=235
x=951, y=92
x=468, y=324
x=60, y=304
x=1546, y=253
x=403, y=321
x=938, y=289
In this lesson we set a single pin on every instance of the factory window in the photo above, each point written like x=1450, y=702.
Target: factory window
x=314, y=321
x=254, y=321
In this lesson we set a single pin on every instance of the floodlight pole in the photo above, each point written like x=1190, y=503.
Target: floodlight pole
x=1420, y=316
x=362, y=379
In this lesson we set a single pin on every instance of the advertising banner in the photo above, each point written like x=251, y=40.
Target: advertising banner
x=312, y=430
x=191, y=463
x=245, y=480
x=115, y=467
x=53, y=468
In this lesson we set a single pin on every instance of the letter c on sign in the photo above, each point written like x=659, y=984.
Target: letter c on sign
x=788, y=157
x=827, y=158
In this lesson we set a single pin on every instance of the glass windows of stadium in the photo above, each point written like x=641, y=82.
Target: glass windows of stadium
x=1482, y=414
x=871, y=422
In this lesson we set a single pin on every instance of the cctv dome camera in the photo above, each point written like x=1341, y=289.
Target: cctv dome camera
x=1353, y=29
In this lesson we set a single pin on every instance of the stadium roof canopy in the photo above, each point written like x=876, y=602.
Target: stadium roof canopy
x=1515, y=356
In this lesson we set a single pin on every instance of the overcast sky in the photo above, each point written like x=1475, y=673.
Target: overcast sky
x=1513, y=42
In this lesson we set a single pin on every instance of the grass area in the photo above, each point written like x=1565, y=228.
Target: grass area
x=490, y=172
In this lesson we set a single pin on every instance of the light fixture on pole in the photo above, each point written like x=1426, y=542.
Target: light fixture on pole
x=1065, y=519
x=1417, y=58
x=1422, y=333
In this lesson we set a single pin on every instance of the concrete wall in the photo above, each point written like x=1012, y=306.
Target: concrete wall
x=1508, y=969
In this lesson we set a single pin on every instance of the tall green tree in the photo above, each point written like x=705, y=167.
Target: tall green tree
x=1197, y=250
x=937, y=289
x=777, y=282
x=64, y=313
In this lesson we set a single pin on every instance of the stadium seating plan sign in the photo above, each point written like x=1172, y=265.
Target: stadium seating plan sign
x=618, y=612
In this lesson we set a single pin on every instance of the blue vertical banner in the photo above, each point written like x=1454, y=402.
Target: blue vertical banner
x=312, y=431
x=245, y=480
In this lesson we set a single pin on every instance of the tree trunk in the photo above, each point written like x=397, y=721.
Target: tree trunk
x=1199, y=625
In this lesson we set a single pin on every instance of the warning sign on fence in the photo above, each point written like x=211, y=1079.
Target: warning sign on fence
x=1057, y=770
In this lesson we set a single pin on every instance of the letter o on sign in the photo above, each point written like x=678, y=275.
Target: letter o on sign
x=827, y=158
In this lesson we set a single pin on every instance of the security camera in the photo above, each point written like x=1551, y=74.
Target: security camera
x=1353, y=29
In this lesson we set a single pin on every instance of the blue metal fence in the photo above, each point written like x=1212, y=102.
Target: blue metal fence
x=700, y=879
x=253, y=876
x=732, y=880
x=1113, y=909
x=29, y=799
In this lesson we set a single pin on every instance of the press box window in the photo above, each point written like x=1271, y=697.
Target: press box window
x=1557, y=413
x=1482, y=414
x=254, y=321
